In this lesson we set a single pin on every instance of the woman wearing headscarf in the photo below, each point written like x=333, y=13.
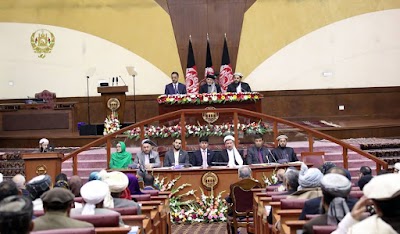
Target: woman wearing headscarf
x=133, y=185
x=120, y=159
x=336, y=189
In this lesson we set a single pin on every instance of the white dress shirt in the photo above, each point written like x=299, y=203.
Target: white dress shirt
x=176, y=156
x=204, y=157
x=239, y=88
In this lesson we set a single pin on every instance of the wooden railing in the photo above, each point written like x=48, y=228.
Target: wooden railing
x=182, y=114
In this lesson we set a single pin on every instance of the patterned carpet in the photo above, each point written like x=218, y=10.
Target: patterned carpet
x=202, y=228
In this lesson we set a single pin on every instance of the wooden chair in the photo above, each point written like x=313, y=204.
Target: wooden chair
x=356, y=194
x=49, y=97
x=315, y=158
x=242, y=207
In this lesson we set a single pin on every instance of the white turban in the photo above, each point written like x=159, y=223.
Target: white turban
x=117, y=181
x=282, y=137
x=229, y=137
x=397, y=166
x=43, y=140
x=383, y=187
x=309, y=178
x=93, y=192
x=236, y=153
x=238, y=74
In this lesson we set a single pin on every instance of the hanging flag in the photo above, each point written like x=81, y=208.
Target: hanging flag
x=209, y=66
x=192, y=82
x=225, y=72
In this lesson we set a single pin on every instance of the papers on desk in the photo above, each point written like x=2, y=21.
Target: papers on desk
x=219, y=167
x=265, y=164
x=294, y=163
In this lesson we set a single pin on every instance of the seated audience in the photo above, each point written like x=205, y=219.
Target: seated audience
x=335, y=190
x=16, y=215
x=175, y=87
x=244, y=173
x=57, y=205
x=147, y=157
x=382, y=194
x=75, y=185
x=309, y=183
x=36, y=187
x=313, y=206
x=280, y=174
x=364, y=180
x=364, y=170
x=210, y=86
x=133, y=185
x=19, y=180
x=176, y=156
x=258, y=153
x=148, y=180
x=282, y=153
x=230, y=154
x=120, y=159
x=237, y=86
x=61, y=181
x=8, y=188
x=204, y=157
x=396, y=168
x=326, y=167
x=117, y=183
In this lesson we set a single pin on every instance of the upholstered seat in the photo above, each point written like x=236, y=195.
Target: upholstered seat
x=141, y=197
x=67, y=231
x=292, y=203
x=242, y=208
x=48, y=97
x=356, y=194
x=324, y=229
x=315, y=158
x=151, y=192
x=126, y=210
x=100, y=220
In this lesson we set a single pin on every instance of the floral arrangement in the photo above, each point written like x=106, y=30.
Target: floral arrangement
x=270, y=180
x=111, y=124
x=208, y=98
x=199, y=130
x=206, y=209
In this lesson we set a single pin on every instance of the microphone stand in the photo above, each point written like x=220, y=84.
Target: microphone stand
x=88, y=100
x=134, y=97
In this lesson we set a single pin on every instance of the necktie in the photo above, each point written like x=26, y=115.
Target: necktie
x=176, y=88
x=204, y=154
x=260, y=156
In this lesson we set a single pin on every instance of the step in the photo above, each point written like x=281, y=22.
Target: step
x=82, y=172
x=87, y=164
x=355, y=163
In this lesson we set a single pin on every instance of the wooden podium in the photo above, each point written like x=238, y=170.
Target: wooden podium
x=42, y=163
x=114, y=98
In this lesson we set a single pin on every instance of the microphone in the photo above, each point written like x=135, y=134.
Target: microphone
x=113, y=79
x=116, y=78
x=122, y=80
x=270, y=153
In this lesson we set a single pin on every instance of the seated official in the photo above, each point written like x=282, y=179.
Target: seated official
x=147, y=157
x=175, y=87
x=176, y=156
x=44, y=146
x=120, y=159
x=230, y=155
x=335, y=190
x=16, y=215
x=204, y=157
x=259, y=153
x=238, y=86
x=313, y=206
x=57, y=205
x=210, y=86
x=309, y=183
x=282, y=153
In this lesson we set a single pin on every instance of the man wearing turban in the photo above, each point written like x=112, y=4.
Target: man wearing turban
x=231, y=155
x=282, y=153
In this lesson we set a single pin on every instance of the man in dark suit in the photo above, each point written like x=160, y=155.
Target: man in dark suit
x=282, y=153
x=175, y=87
x=210, y=86
x=176, y=156
x=230, y=155
x=258, y=153
x=204, y=157
x=238, y=86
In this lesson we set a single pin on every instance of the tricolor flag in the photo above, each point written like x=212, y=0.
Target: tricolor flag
x=209, y=66
x=192, y=82
x=225, y=72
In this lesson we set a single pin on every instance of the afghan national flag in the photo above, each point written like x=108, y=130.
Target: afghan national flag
x=225, y=72
x=209, y=66
x=192, y=82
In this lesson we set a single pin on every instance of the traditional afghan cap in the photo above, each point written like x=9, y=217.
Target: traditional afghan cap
x=229, y=137
x=94, y=176
x=15, y=211
x=117, y=181
x=148, y=141
x=57, y=195
x=282, y=137
x=326, y=167
x=397, y=166
x=309, y=177
x=238, y=74
x=383, y=187
x=203, y=138
x=43, y=140
x=93, y=192
x=38, y=185
x=336, y=185
x=212, y=76
x=1, y=177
